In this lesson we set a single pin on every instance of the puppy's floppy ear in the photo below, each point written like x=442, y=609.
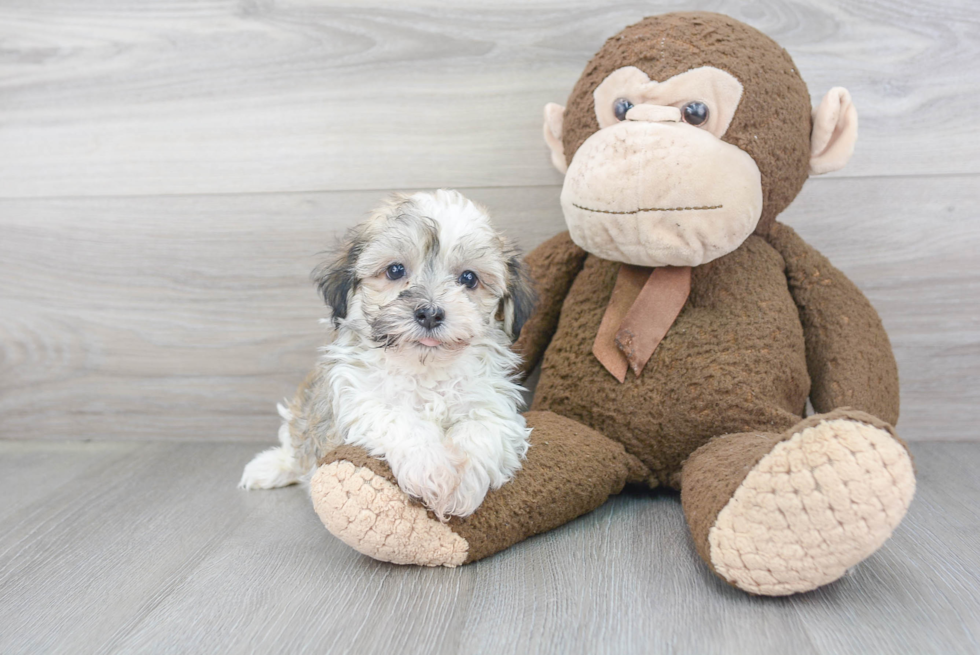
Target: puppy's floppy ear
x=336, y=278
x=518, y=302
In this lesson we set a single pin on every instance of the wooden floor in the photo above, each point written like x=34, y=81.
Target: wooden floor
x=148, y=547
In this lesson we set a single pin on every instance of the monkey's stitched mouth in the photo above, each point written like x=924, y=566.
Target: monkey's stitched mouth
x=651, y=209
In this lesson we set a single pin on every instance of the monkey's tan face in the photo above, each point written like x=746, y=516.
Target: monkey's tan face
x=656, y=185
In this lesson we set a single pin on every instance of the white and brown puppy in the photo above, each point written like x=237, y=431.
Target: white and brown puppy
x=426, y=298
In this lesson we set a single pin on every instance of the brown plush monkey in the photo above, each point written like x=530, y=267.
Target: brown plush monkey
x=681, y=329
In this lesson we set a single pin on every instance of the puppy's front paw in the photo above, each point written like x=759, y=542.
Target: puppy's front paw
x=474, y=483
x=432, y=474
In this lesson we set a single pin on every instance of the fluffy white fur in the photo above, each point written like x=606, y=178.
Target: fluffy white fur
x=446, y=417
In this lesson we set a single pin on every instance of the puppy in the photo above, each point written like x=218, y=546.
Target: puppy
x=426, y=299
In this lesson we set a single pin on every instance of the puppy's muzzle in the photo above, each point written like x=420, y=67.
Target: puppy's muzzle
x=430, y=317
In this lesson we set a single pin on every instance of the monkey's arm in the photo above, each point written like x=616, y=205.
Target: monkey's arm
x=553, y=266
x=848, y=354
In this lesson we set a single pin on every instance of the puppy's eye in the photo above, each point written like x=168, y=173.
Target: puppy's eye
x=695, y=113
x=620, y=107
x=395, y=272
x=468, y=279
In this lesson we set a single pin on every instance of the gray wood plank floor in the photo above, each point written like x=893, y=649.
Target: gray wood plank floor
x=112, y=547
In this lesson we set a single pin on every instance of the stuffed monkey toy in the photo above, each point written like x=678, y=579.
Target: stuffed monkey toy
x=681, y=330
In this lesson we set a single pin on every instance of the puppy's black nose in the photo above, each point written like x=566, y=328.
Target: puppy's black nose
x=429, y=317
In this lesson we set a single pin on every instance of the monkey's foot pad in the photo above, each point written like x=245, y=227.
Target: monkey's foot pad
x=373, y=516
x=818, y=503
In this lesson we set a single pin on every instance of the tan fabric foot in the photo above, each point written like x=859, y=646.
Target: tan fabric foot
x=818, y=503
x=374, y=517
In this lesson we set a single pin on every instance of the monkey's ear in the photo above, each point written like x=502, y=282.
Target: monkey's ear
x=835, y=127
x=554, y=116
x=335, y=279
x=518, y=303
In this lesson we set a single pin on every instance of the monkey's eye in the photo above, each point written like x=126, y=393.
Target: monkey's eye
x=468, y=279
x=395, y=272
x=695, y=113
x=620, y=107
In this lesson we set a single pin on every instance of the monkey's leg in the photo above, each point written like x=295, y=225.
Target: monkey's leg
x=570, y=470
x=777, y=514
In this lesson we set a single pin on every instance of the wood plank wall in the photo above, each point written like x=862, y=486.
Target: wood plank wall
x=170, y=170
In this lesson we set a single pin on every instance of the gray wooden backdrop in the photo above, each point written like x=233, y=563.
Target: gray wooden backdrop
x=169, y=171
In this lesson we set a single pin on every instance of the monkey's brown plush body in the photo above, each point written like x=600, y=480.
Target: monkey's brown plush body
x=714, y=373
x=777, y=502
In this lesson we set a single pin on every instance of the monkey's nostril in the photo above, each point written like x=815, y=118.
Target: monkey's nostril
x=429, y=317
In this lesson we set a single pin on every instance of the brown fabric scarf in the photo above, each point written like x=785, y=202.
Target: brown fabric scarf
x=644, y=304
